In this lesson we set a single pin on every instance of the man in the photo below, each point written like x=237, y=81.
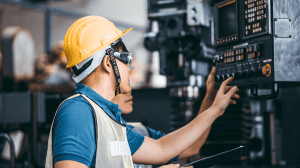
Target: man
x=88, y=130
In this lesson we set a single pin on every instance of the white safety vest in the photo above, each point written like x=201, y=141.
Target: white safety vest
x=112, y=149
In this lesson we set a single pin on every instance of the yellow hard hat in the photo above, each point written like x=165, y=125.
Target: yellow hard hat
x=87, y=36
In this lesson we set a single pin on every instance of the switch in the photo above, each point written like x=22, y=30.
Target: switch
x=227, y=76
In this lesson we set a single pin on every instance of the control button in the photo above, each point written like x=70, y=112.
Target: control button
x=249, y=49
x=216, y=58
x=221, y=58
x=266, y=70
x=231, y=75
x=217, y=78
x=222, y=78
x=268, y=66
x=227, y=76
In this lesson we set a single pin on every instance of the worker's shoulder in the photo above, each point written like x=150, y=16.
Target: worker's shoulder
x=75, y=104
x=75, y=109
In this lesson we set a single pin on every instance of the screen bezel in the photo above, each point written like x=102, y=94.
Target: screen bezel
x=216, y=13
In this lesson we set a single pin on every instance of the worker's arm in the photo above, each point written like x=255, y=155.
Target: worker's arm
x=74, y=164
x=164, y=149
x=208, y=100
x=69, y=164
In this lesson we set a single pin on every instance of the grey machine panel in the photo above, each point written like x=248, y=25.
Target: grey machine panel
x=286, y=17
x=18, y=107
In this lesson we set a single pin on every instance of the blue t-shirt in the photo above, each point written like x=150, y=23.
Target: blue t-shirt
x=74, y=129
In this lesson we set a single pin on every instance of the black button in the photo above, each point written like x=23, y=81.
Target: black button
x=217, y=78
x=222, y=78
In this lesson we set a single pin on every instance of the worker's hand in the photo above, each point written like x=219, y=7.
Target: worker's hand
x=223, y=98
x=173, y=166
x=124, y=101
x=211, y=90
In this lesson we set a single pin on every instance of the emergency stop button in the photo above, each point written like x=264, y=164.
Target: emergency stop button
x=266, y=70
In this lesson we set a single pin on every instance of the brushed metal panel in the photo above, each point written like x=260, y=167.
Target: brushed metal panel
x=287, y=50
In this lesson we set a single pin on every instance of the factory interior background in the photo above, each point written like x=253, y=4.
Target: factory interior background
x=270, y=128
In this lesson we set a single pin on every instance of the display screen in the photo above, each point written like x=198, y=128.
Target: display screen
x=227, y=19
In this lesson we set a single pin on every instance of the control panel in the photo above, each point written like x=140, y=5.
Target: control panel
x=248, y=63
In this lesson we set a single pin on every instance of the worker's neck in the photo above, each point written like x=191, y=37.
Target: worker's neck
x=103, y=86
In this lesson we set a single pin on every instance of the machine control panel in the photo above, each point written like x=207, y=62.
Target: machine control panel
x=246, y=63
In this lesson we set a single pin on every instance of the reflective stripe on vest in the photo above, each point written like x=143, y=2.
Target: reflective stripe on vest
x=112, y=149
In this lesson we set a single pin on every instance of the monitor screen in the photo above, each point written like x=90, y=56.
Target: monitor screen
x=227, y=19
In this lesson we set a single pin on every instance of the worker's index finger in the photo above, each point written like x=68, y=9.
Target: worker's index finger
x=213, y=71
x=226, y=82
x=232, y=91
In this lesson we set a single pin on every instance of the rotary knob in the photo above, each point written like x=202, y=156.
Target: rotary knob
x=266, y=70
x=222, y=77
x=217, y=78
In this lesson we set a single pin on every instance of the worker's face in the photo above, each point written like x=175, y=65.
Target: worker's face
x=124, y=101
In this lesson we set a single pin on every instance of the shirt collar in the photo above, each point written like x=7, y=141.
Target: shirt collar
x=109, y=107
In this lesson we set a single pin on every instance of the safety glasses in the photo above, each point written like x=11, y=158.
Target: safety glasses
x=125, y=57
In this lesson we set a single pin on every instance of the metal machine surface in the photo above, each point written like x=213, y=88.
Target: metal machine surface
x=257, y=42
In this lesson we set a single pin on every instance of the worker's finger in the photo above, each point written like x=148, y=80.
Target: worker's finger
x=211, y=76
x=225, y=83
x=232, y=101
x=232, y=91
x=235, y=96
x=213, y=71
x=227, y=88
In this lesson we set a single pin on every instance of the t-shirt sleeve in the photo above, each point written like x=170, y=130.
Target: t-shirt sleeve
x=135, y=140
x=74, y=132
x=155, y=134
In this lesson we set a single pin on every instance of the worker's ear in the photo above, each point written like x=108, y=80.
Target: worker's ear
x=106, y=65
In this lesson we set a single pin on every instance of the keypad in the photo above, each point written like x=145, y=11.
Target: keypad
x=255, y=16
